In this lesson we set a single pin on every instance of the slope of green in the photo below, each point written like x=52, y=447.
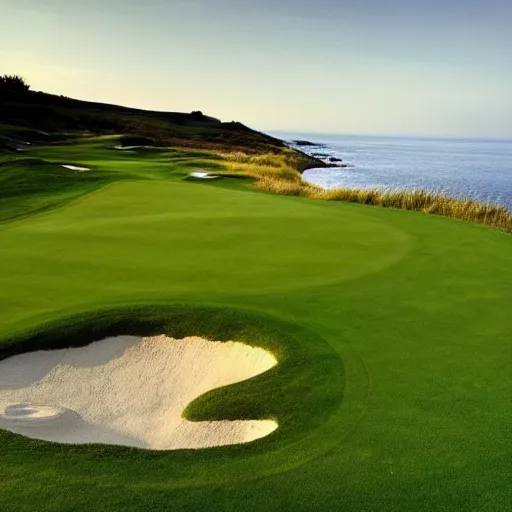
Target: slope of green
x=35, y=180
x=393, y=329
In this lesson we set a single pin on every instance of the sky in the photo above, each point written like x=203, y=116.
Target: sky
x=393, y=67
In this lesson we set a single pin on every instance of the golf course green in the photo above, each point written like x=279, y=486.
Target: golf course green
x=392, y=331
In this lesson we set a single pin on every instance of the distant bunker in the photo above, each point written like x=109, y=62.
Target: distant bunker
x=75, y=168
x=203, y=175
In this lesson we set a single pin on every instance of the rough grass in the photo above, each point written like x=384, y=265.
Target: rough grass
x=427, y=202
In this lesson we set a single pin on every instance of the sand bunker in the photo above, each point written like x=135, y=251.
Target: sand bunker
x=132, y=148
x=128, y=391
x=75, y=168
x=203, y=175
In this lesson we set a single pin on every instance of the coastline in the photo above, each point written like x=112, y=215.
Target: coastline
x=465, y=169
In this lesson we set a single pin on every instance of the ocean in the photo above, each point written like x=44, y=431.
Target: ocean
x=474, y=168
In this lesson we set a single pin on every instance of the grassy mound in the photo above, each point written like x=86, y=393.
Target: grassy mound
x=29, y=185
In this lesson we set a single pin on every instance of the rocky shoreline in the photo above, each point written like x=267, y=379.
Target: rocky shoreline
x=317, y=151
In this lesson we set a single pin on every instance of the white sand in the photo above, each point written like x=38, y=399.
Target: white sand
x=31, y=414
x=203, y=175
x=130, y=391
x=131, y=148
x=75, y=168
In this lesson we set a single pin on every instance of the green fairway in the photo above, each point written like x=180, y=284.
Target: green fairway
x=393, y=330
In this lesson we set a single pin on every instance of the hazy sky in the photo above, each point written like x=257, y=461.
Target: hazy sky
x=437, y=67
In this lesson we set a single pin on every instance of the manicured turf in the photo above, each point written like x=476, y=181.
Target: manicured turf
x=393, y=329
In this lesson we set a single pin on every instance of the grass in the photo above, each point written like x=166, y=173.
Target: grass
x=34, y=181
x=29, y=185
x=392, y=329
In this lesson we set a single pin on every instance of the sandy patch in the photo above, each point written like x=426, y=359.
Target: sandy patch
x=75, y=168
x=203, y=175
x=128, y=390
x=132, y=148
x=26, y=414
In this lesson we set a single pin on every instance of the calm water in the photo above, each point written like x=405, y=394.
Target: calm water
x=481, y=169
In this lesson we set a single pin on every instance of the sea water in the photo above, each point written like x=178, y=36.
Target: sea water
x=473, y=168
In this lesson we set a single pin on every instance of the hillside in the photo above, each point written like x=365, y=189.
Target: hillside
x=38, y=117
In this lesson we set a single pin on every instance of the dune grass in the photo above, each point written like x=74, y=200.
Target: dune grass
x=492, y=215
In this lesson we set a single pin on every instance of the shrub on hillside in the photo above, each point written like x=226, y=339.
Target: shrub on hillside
x=13, y=83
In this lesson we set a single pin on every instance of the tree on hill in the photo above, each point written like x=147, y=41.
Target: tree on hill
x=13, y=83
